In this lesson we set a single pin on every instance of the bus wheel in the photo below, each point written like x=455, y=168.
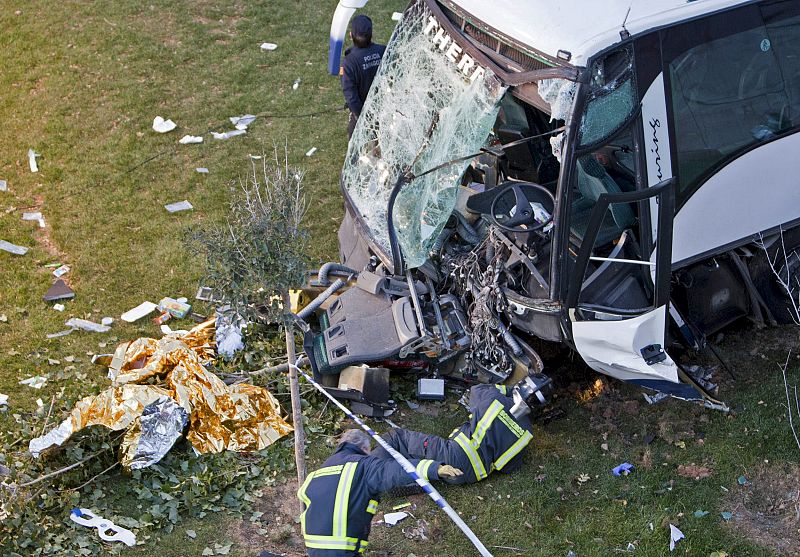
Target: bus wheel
x=782, y=296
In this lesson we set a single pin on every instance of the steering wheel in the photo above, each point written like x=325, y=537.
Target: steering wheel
x=523, y=212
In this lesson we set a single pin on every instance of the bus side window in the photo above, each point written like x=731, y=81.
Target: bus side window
x=733, y=92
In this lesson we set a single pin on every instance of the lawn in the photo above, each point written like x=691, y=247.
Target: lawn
x=80, y=84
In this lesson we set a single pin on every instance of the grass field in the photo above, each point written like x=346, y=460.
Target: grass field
x=80, y=83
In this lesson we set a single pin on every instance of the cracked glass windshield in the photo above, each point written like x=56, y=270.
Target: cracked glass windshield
x=430, y=103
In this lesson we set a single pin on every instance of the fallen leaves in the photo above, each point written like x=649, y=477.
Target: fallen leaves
x=694, y=471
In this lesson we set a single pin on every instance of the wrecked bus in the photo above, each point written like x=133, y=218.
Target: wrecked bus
x=601, y=174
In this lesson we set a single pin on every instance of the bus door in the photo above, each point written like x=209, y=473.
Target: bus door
x=618, y=295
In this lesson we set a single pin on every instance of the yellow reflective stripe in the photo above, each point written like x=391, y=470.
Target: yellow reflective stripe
x=329, y=471
x=423, y=466
x=331, y=542
x=301, y=494
x=474, y=459
x=502, y=388
x=485, y=423
x=372, y=507
x=513, y=451
x=511, y=424
x=342, y=500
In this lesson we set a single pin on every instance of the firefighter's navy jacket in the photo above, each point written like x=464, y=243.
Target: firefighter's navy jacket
x=358, y=70
x=493, y=438
x=340, y=499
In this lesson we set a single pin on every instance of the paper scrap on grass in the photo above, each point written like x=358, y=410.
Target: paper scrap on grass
x=266, y=47
x=623, y=469
x=241, y=122
x=3, y=185
x=32, y=160
x=393, y=518
x=145, y=308
x=36, y=216
x=201, y=170
x=59, y=334
x=12, y=248
x=187, y=139
x=178, y=206
x=107, y=320
x=675, y=535
x=3, y=399
x=86, y=325
x=228, y=135
x=61, y=271
x=59, y=307
x=163, y=126
x=397, y=16
x=37, y=381
x=296, y=84
x=311, y=151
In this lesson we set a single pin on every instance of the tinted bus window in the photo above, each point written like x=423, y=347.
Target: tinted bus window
x=732, y=92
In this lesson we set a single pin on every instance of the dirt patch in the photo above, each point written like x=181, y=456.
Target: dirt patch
x=275, y=530
x=767, y=509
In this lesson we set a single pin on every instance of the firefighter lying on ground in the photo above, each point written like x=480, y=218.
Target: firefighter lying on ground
x=499, y=428
x=340, y=499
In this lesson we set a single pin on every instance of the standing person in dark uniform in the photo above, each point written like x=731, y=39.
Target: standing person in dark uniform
x=359, y=68
x=340, y=499
x=499, y=428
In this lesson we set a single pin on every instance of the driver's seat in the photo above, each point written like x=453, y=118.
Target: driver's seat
x=593, y=181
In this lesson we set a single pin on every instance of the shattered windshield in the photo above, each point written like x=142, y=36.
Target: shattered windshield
x=429, y=103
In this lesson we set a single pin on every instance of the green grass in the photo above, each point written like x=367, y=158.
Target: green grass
x=80, y=83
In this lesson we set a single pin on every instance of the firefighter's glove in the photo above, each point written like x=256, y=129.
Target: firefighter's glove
x=447, y=472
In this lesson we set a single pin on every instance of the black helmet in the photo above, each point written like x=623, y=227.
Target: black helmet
x=531, y=392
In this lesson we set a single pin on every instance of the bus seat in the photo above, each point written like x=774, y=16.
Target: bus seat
x=593, y=181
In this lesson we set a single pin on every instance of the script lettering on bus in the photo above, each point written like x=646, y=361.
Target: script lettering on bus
x=465, y=63
x=655, y=123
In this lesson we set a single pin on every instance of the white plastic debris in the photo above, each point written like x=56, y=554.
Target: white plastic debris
x=393, y=518
x=107, y=321
x=163, y=126
x=32, y=160
x=228, y=334
x=36, y=382
x=179, y=206
x=61, y=271
x=296, y=84
x=145, y=308
x=59, y=334
x=397, y=16
x=228, y=135
x=165, y=329
x=267, y=47
x=201, y=170
x=311, y=151
x=187, y=139
x=675, y=535
x=107, y=530
x=3, y=185
x=86, y=325
x=241, y=122
x=37, y=216
x=3, y=400
x=59, y=307
x=12, y=248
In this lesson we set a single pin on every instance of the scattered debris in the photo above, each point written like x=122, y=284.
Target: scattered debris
x=419, y=532
x=742, y=480
x=159, y=426
x=59, y=334
x=86, y=325
x=623, y=469
x=700, y=514
x=188, y=139
x=201, y=170
x=266, y=47
x=163, y=126
x=3, y=185
x=3, y=318
x=296, y=84
x=311, y=151
x=178, y=206
x=675, y=536
x=32, y=160
x=174, y=307
x=393, y=518
x=229, y=334
x=61, y=271
x=59, y=307
x=397, y=16
x=163, y=318
x=37, y=216
x=694, y=471
x=656, y=398
x=58, y=291
x=3, y=400
x=107, y=530
x=107, y=320
x=204, y=294
x=12, y=248
x=726, y=515
x=241, y=122
x=228, y=135
x=143, y=309
x=191, y=533
x=36, y=382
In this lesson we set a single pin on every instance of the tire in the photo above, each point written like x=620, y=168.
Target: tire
x=770, y=288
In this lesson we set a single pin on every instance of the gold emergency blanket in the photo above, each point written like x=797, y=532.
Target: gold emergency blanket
x=241, y=417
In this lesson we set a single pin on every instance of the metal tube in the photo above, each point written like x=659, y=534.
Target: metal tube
x=322, y=274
